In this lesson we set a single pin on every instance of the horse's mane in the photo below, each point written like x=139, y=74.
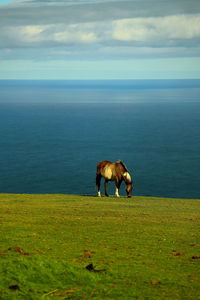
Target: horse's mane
x=120, y=162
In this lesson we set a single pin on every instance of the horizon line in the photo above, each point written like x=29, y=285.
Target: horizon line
x=107, y=79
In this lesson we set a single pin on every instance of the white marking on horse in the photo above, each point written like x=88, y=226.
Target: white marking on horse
x=117, y=192
x=127, y=176
x=108, y=173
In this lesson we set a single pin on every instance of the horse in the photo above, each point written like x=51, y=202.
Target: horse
x=113, y=171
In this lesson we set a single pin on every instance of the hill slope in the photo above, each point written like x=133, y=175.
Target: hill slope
x=82, y=247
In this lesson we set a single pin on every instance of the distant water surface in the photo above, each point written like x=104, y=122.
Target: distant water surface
x=54, y=133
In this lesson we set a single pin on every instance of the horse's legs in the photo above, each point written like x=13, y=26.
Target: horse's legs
x=117, y=183
x=117, y=192
x=98, y=183
x=106, y=187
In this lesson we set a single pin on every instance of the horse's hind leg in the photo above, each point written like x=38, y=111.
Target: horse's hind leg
x=98, y=183
x=106, y=187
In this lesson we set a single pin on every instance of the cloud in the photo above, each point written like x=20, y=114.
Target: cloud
x=47, y=35
x=74, y=33
x=99, y=30
x=152, y=32
x=53, y=12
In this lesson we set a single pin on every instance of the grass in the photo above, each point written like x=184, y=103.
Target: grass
x=138, y=248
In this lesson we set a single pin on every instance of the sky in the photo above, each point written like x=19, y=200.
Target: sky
x=99, y=39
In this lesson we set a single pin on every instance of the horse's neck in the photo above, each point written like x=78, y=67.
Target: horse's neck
x=123, y=165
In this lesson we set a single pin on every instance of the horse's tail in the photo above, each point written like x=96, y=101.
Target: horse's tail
x=98, y=169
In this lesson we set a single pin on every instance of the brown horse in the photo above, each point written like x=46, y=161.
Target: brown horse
x=113, y=172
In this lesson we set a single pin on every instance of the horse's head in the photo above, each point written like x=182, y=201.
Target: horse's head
x=129, y=183
x=129, y=187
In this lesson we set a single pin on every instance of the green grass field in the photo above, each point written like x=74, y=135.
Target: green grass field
x=82, y=247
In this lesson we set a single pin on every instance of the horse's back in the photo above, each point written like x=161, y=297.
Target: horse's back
x=118, y=165
x=106, y=169
x=103, y=164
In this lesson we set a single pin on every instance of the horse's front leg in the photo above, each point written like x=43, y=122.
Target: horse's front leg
x=117, y=192
x=106, y=187
x=98, y=183
x=117, y=184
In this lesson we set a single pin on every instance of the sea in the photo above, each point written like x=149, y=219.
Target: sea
x=53, y=133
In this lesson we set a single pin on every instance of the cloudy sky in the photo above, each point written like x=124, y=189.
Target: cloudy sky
x=99, y=39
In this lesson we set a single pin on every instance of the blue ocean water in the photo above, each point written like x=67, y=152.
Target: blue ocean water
x=52, y=134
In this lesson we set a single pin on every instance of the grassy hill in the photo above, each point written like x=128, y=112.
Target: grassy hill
x=83, y=247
